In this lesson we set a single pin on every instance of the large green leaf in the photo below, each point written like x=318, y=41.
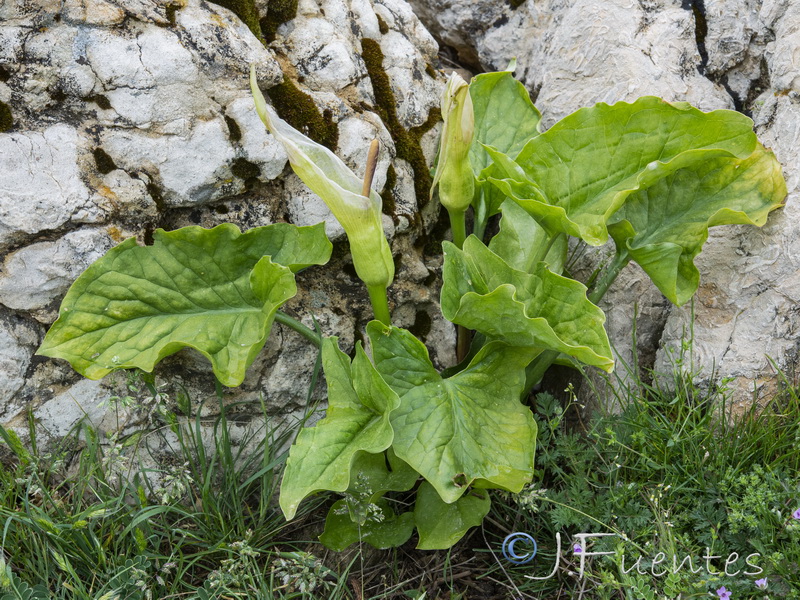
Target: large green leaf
x=506, y=119
x=540, y=309
x=214, y=290
x=664, y=226
x=521, y=239
x=384, y=530
x=440, y=525
x=467, y=427
x=359, y=406
x=573, y=177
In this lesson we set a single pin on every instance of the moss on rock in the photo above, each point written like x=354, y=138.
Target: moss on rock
x=278, y=12
x=406, y=141
x=6, y=119
x=387, y=195
x=105, y=164
x=246, y=10
x=245, y=169
x=299, y=110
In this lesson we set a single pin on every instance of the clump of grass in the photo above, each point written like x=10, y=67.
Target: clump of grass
x=87, y=520
x=667, y=474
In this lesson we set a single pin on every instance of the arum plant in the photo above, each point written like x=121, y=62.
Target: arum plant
x=651, y=175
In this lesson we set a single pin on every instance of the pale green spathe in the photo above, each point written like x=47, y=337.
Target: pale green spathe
x=453, y=172
x=333, y=181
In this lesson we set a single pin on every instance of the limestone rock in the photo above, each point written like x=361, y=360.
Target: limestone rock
x=41, y=182
x=130, y=115
x=18, y=341
x=35, y=275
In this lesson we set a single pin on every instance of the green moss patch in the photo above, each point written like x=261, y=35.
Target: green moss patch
x=278, y=12
x=105, y=164
x=244, y=169
x=299, y=110
x=246, y=10
x=407, y=142
x=6, y=119
x=233, y=129
x=382, y=26
x=387, y=195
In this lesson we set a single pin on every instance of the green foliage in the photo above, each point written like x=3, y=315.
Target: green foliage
x=86, y=520
x=664, y=226
x=671, y=476
x=577, y=174
x=215, y=290
x=521, y=239
x=540, y=310
x=653, y=175
x=382, y=529
x=468, y=427
x=441, y=524
x=359, y=406
x=505, y=119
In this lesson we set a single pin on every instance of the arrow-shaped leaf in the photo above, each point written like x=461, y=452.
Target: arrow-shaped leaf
x=359, y=406
x=467, y=427
x=214, y=290
x=664, y=226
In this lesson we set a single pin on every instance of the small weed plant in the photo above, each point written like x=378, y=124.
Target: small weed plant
x=651, y=175
x=668, y=476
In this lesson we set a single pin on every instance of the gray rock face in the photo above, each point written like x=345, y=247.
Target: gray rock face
x=129, y=115
x=734, y=54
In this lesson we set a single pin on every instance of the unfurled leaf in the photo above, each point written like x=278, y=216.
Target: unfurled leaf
x=577, y=174
x=213, y=290
x=359, y=406
x=385, y=530
x=539, y=310
x=440, y=525
x=506, y=119
x=664, y=226
x=333, y=181
x=467, y=427
x=521, y=239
